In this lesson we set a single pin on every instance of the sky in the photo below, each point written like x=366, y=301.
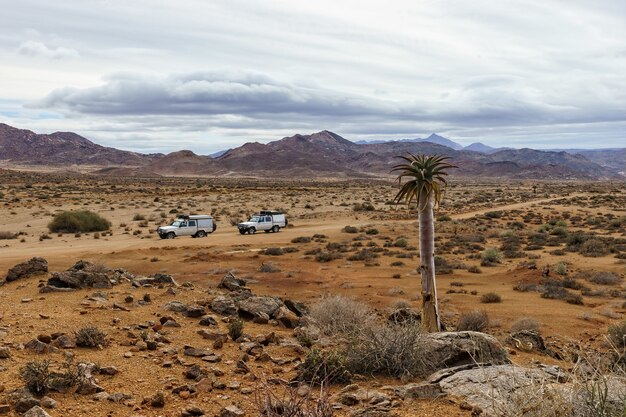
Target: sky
x=160, y=76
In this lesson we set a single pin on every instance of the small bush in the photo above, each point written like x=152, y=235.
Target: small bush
x=476, y=321
x=490, y=297
x=324, y=367
x=7, y=235
x=301, y=239
x=350, y=229
x=235, y=329
x=326, y=256
x=490, y=257
x=594, y=248
x=82, y=221
x=138, y=217
x=525, y=323
x=561, y=268
x=617, y=334
x=401, y=243
x=268, y=267
x=90, y=337
x=604, y=278
x=474, y=269
x=272, y=252
x=36, y=375
x=337, y=315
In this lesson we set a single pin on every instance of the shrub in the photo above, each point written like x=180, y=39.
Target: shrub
x=364, y=206
x=401, y=243
x=301, y=239
x=82, y=221
x=7, y=235
x=363, y=255
x=493, y=214
x=326, y=256
x=525, y=323
x=617, y=334
x=371, y=231
x=36, y=375
x=350, y=229
x=490, y=297
x=474, y=320
x=138, y=217
x=235, y=329
x=442, y=266
x=283, y=399
x=272, y=251
x=90, y=337
x=444, y=218
x=337, y=315
x=594, y=248
x=268, y=267
x=490, y=257
x=604, y=278
x=324, y=367
x=474, y=269
x=561, y=268
x=389, y=349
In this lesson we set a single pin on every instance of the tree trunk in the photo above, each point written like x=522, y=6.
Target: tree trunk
x=430, y=309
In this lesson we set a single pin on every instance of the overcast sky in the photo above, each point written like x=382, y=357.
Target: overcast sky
x=158, y=76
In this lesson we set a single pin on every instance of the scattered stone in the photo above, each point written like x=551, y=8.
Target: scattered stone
x=129, y=299
x=176, y=306
x=194, y=311
x=25, y=403
x=36, y=411
x=47, y=402
x=192, y=411
x=287, y=318
x=109, y=370
x=297, y=308
x=196, y=352
x=208, y=321
x=251, y=306
x=64, y=342
x=32, y=267
x=5, y=408
x=5, y=352
x=157, y=400
x=40, y=347
x=419, y=391
x=231, y=411
x=87, y=275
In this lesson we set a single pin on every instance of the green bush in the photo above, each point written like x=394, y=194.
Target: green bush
x=82, y=221
x=617, y=334
x=490, y=257
x=476, y=321
x=324, y=367
x=490, y=297
x=235, y=329
x=90, y=337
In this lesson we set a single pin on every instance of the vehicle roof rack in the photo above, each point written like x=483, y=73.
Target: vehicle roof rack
x=270, y=212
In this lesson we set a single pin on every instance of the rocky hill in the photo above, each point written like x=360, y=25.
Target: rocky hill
x=62, y=148
x=321, y=154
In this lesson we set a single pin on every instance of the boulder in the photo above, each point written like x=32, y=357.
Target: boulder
x=287, y=318
x=232, y=283
x=297, y=308
x=252, y=306
x=223, y=305
x=450, y=349
x=34, y=266
x=176, y=306
x=87, y=275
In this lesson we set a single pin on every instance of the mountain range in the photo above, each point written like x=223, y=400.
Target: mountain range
x=321, y=154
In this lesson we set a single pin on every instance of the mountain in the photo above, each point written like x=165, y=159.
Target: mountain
x=433, y=138
x=318, y=155
x=62, y=148
x=218, y=153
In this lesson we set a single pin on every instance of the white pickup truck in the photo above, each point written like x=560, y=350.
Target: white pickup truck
x=268, y=221
x=195, y=225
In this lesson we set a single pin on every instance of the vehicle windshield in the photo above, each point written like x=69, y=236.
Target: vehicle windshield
x=254, y=219
x=176, y=223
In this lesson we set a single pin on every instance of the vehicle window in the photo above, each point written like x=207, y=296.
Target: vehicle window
x=192, y=223
x=268, y=219
x=183, y=224
x=176, y=223
x=254, y=218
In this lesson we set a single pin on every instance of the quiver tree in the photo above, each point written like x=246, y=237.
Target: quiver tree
x=425, y=184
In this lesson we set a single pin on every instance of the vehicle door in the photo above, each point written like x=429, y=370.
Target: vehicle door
x=265, y=223
x=188, y=228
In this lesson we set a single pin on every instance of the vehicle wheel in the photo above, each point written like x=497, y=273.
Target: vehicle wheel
x=242, y=231
x=201, y=233
x=252, y=230
x=162, y=236
x=170, y=235
x=275, y=228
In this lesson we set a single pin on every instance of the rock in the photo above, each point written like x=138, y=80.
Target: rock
x=208, y=321
x=287, y=318
x=223, y=305
x=254, y=305
x=232, y=283
x=47, y=402
x=195, y=372
x=25, y=403
x=157, y=400
x=101, y=396
x=40, y=347
x=194, y=311
x=64, y=342
x=36, y=411
x=192, y=411
x=213, y=335
x=5, y=408
x=231, y=411
x=196, y=352
x=297, y=308
x=163, y=279
x=494, y=389
x=450, y=349
x=348, y=399
x=109, y=370
x=119, y=397
x=419, y=391
x=32, y=267
x=373, y=411
x=154, y=280
x=176, y=306
x=45, y=338
x=5, y=352
x=86, y=275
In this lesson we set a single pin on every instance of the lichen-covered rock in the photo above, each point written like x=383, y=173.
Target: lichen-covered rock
x=254, y=305
x=232, y=283
x=223, y=305
x=450, y=349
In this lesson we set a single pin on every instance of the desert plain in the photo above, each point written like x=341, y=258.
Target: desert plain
x=551, y=255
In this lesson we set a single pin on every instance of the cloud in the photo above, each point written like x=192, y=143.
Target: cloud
x=39, y=49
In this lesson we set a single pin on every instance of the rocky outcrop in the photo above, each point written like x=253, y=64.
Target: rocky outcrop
x=32, y=267
x=450, y=349
x=86, y=275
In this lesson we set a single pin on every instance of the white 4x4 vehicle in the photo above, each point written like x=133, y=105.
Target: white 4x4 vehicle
x=195, y=225
x=268, y=221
